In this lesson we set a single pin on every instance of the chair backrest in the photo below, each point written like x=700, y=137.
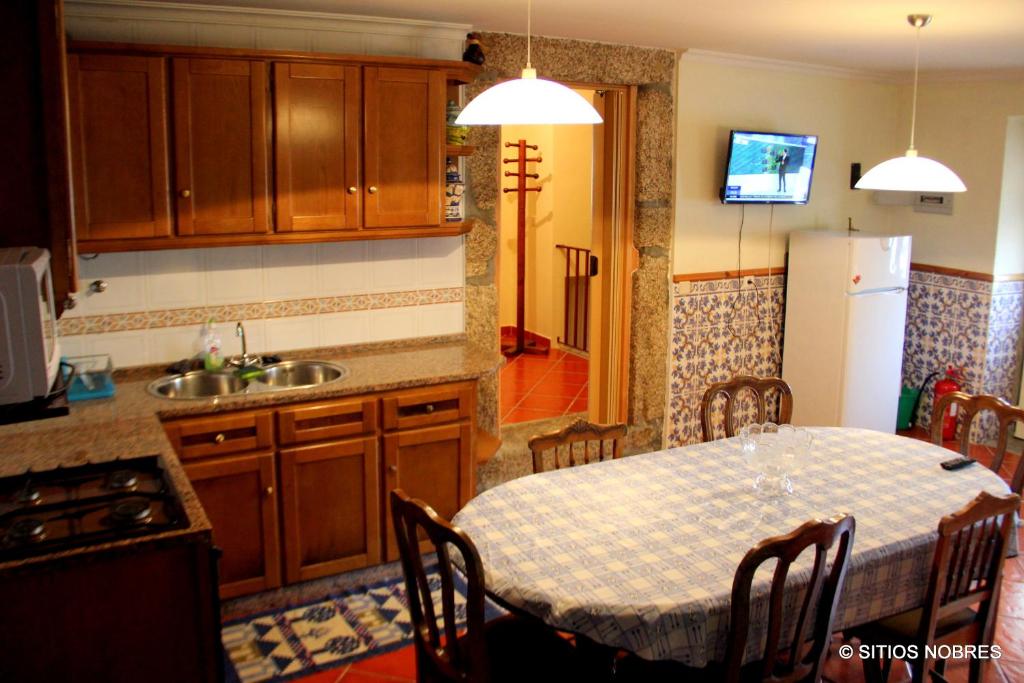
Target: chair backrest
x=968, y=562
x=606, y=440
x=821, y=598
x=968, y=408
x=439, y=655
x=737, y=386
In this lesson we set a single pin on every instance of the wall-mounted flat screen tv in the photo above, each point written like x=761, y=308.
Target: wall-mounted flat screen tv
x=769, y=168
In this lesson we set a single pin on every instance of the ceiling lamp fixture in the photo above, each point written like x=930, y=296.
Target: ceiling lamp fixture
x=912, y=173
x=527, y=100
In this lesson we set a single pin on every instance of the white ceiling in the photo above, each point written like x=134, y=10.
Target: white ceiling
x=856, y=34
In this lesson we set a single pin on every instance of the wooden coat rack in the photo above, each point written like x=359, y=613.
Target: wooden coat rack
x=521, y=345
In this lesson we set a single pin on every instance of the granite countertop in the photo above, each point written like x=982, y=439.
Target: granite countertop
x=128, y=425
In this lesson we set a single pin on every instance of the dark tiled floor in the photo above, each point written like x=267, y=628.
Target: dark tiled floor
x=540, y=387
x=400, y=666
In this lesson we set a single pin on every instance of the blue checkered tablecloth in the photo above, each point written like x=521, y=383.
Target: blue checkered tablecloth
x=640, y=553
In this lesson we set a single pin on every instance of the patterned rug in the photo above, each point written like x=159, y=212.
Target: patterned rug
x=338, y=629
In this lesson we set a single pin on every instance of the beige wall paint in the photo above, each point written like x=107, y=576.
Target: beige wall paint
x=560, y=214
x=963, y=125
x=1010, y=232
x=855, y=120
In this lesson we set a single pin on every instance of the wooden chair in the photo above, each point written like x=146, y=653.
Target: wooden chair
x=969, y=406
x=758, y=386
x=803, y=659
x=966, y=570
x=607, y=438
x=509, y=648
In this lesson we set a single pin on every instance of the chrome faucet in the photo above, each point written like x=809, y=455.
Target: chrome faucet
x=245, y=360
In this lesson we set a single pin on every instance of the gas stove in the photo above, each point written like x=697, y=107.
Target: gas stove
x=72, y=507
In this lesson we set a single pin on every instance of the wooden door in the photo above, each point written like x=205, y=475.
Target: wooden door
x=433, y=464
x=331, y=508
x=119, y=146
x=404, y=127
x=220, y=143
x=317, y=145
x=238, y=495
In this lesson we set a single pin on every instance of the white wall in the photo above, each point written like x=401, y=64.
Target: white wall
x=1010, y=232
x=288, y=296
x=963, y=124
x=855, y=118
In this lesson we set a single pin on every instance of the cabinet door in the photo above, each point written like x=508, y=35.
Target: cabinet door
x=220, y=142
x=433, y=464
x=119, y=146
x=331, y=508
x=238, y=495
x=316, y=144
x=404, y=128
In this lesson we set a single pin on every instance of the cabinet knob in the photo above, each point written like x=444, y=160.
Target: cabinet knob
x=270, y=490
x=219, y=438
x=429, y=407
x=372, y=189
x=186, y=193
x=353, y=189
x=393, y=469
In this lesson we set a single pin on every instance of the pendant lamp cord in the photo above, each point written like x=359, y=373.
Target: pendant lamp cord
x=917, y=61
x=529, y=16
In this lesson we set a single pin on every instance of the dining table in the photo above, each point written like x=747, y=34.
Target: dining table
x=639, y=553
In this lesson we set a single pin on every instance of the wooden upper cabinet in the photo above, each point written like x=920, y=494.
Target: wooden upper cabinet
x=317, y=146
x=220, y=133
x=119, y=146
x=404, y=126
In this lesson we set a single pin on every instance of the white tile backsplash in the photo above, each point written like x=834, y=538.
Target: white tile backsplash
x=343, y=268
x=394, y=265
x=298, y=332
x=233, y=275
x=289, y=271
x=173, y=279
x=140, y=282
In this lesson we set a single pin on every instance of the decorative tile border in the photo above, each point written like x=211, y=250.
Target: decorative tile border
x=145, y=320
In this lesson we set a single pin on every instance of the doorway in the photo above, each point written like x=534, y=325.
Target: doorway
x=564, y=298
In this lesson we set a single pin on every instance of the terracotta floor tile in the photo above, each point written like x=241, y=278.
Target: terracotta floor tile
x=328, y=676
x=525, y=415
x=578, y=406
x=400, y=663
x=537, y=401
x=546, y=388
x=576, y=381
x=1010, y=637
x=1011, y=600
x=353, y=676
x=1014, y=568
x=1012, y=671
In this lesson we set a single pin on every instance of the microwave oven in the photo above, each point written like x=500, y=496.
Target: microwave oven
x=29, y=346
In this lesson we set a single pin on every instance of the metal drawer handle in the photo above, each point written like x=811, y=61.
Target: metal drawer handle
x=429, y=408
x=353, y=189
x=219, y=438
x=393, y=468
x=270, y=490
x=186, y=193
x=372, y=189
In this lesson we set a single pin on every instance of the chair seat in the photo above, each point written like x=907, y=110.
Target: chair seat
x=528, y=651
x=902, y=628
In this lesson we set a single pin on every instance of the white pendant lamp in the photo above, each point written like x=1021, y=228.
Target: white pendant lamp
x=912, y=173
x=527, y=100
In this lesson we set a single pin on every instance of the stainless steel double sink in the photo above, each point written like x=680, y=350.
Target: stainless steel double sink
x=289, y=374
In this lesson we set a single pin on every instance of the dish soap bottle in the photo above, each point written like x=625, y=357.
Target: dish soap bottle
x=210, y=347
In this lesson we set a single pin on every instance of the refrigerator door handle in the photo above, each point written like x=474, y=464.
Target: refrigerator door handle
x=880, y=290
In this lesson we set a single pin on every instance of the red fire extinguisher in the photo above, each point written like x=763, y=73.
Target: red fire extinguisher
x=952, y=382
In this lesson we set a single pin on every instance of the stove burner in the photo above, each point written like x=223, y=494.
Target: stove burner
x=26, y=530
x=27, y=495
x=132, y=511
x=121, y=480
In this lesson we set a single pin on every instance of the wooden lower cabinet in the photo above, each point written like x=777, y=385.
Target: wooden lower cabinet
x=330, y=508
x=239, y=497
x=433, y=464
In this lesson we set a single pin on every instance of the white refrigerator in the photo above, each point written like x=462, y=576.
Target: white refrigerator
x=846, y=309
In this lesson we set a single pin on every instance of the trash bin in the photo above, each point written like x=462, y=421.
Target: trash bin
x=905, y=412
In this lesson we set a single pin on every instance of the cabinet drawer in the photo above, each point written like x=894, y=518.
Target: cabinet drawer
x=428, y=406
x=204, y=437
x=323, y=421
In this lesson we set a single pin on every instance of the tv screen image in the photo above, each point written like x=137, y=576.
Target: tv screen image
x=769, y=168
